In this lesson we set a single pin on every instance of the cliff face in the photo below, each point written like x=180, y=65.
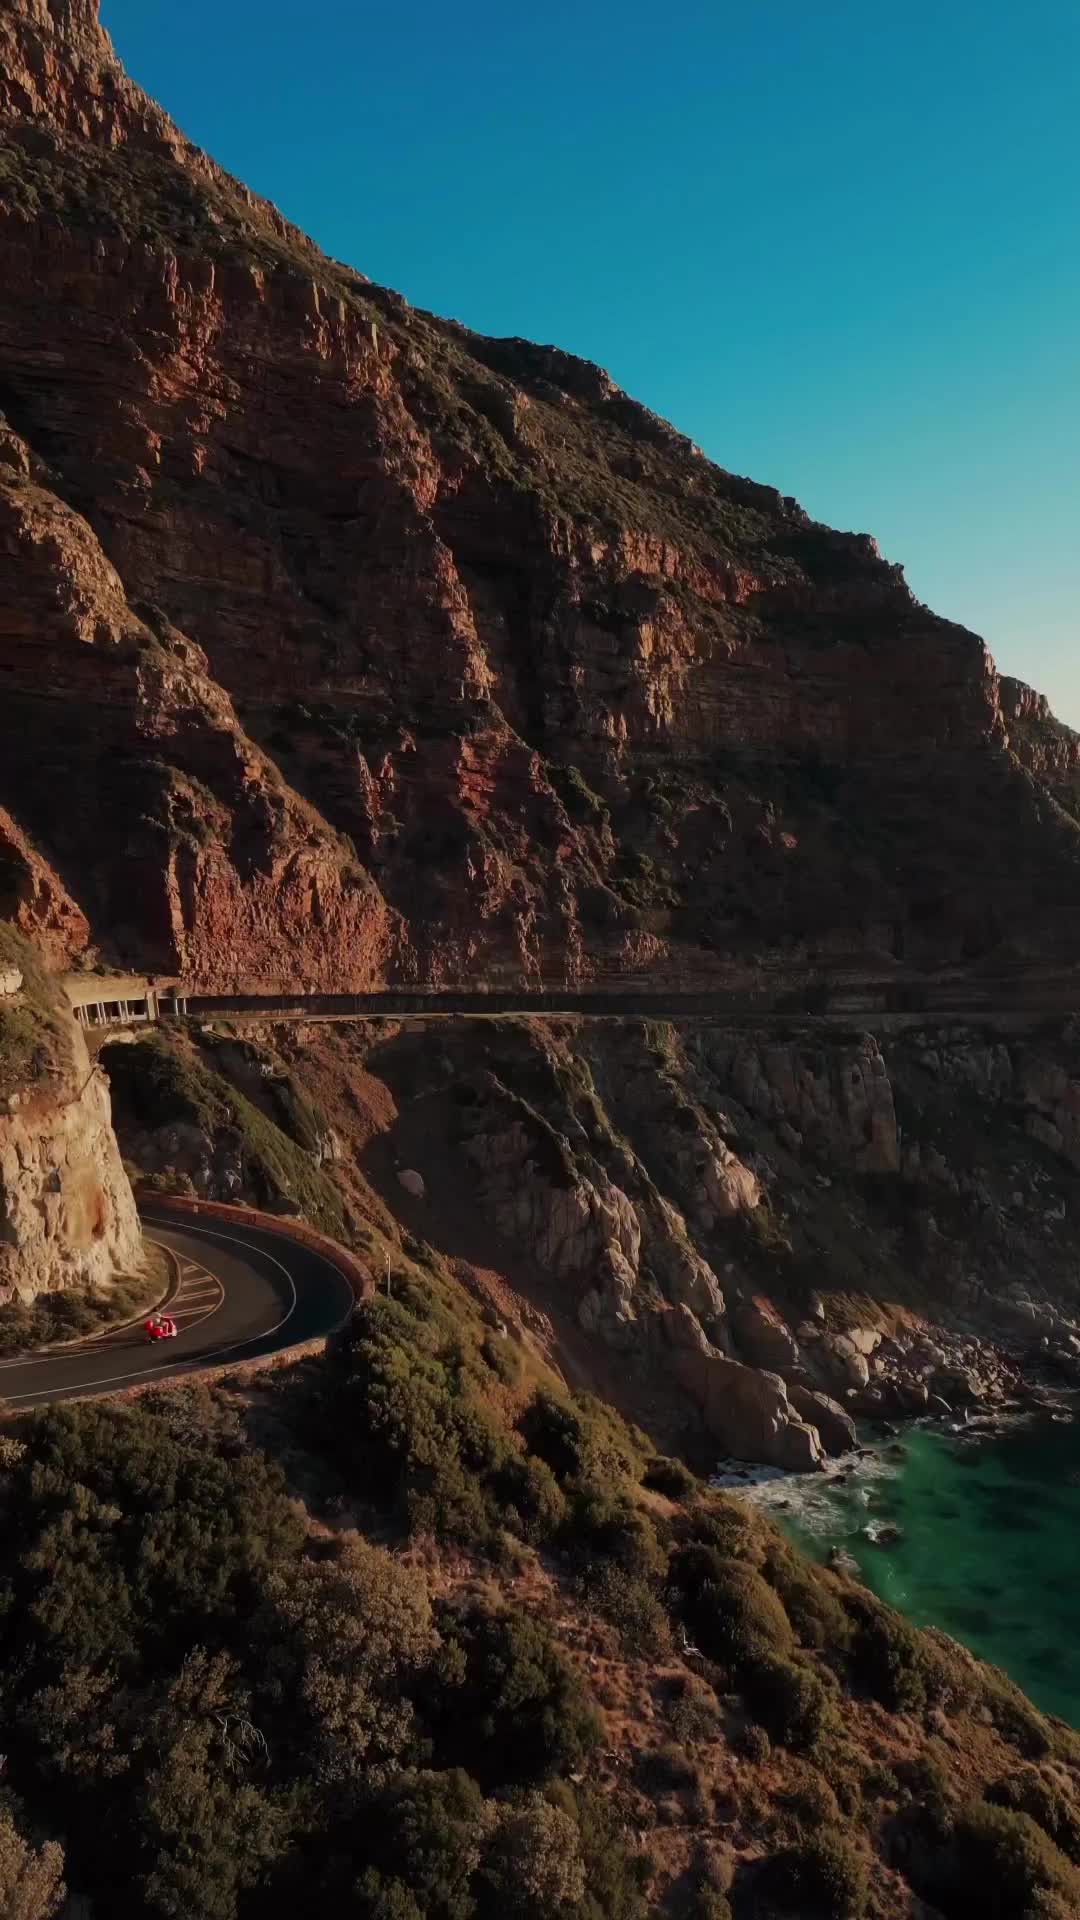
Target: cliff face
x=745, y=1239
x=67, y=1217
x=419, y=655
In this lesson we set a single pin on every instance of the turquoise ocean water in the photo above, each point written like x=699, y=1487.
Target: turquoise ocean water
x=988, y=1544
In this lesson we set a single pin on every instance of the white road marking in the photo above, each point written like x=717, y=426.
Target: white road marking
x=200, y=1360
x=184, y=1226
x=107, y=1337
x=197, y=1361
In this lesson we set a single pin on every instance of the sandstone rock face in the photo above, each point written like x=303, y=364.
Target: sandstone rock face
x=222, y=861
x=837, y=1361
x=746, y=1411
x=34, y=900
x=569, y=1227
x=834, y=1424
x=837, y=1104
x=418, y=655
x=67, y=1217
x=762, y=1337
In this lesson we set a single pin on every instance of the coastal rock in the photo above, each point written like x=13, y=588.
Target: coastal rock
x=762, y=1337
x=746, y=1411
x=835, y=1426
x=838, y=1361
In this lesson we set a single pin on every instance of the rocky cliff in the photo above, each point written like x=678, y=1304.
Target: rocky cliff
x=746, y=1239
x=67, y=1217
x=418, y=655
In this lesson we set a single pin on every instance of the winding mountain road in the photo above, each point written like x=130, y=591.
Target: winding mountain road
x=243, y=1292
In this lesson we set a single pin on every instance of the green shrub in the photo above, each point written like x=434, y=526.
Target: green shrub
x=530, y=1499
x=931, y=1785
x=824, y=1874
x=730, y=1526
x=731, y=1613
x=788, y=1699
x=810, y=1600
x=633, y=1607
x=693, y=1717
x=404, y=1414
x=614, y=1527
x=999, y=1864
x=425, y=1834
x=503, y=1702
x=708, y=1903
x=892, y=1661
x=880, y=1783
x=502, y=1357
x=1014, y=1716
x=615, y=1876
x=31, y=1881
x=754, y=1744
x=533, y=1868
x=128, y=1536
x=663, y=1475
x=581, y=1440
x=811, y=1801
x=665, y=1769
x=1041, y=1797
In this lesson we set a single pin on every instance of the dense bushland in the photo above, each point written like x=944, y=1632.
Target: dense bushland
x=394, y=1698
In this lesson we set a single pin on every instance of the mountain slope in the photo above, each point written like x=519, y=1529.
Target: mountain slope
x=465, y=662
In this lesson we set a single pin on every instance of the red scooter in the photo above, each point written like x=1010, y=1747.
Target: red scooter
x=161, y=1327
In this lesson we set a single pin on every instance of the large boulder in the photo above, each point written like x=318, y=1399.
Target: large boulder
x=746, y=1411
x=837, y=1363
x=835, y=1427
x=727, y=1187
x=763, y=1338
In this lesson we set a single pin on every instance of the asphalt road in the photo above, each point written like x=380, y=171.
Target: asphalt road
x=243, y=1292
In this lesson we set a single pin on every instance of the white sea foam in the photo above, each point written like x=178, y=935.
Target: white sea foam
x=815, y=1502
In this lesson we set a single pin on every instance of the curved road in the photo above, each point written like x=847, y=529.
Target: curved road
x=243, y=1292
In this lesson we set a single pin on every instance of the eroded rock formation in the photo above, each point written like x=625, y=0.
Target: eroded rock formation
x=67, y=1217
x=419, y=655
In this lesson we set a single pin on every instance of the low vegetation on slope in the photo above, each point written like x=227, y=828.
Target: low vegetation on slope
x=414, y=1632
x=485, y=1666
x=164, y=1084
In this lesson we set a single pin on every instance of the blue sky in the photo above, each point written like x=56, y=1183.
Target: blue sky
x=838, y=244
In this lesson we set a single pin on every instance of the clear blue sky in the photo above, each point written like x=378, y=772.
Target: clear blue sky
x=837, y=243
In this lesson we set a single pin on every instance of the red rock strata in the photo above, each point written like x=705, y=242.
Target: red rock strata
x=339, y=644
